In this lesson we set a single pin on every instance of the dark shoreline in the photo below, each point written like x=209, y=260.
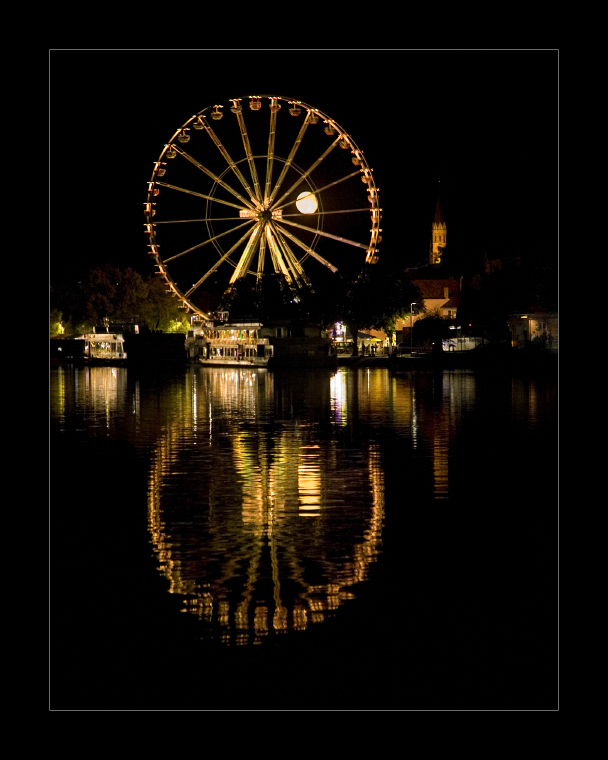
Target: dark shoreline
x=486, y=358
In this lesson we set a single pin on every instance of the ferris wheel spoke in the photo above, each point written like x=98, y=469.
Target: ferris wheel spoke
x=202, y=195
x=283, y=255
x=248, y=254
x=270, y=155
x=327, y=235
x=217, y=264
x=327, y=213
x=251, y=204
x=261, y=257
x=206, y=219
x=292, y=260
x=254, y=196
x=310, y=169
x=308, y=249
x=209, y=240
x=249, y=154
x=290, y=157
x=277, y=258
x=325, y=187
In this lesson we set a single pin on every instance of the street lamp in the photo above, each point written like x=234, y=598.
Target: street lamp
x=412, y=326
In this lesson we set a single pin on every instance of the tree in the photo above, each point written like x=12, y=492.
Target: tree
x=380, y=296
x=56, y=326
x=69, y=299
x=131, y=295
x=108, y=292
x=161, y=311
x=484, y=307
x=432, y=329
x=100, y=292
x=114, y=293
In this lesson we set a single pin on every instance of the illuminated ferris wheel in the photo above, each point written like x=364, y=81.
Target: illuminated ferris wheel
x=259, y=185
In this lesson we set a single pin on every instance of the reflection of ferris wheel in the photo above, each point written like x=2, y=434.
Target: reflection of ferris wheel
x=233, y=202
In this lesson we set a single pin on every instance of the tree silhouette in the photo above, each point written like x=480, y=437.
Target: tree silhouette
x=380, y=296
x=111, y=293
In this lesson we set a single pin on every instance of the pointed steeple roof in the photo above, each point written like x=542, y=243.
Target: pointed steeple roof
x=438, y=219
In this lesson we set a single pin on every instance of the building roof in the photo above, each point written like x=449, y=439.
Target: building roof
x=453, y=303
x=438, y=218
x=435, y=288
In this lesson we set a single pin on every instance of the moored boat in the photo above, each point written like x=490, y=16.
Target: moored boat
x=262, y=345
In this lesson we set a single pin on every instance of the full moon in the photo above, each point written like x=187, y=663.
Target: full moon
x=306, y=203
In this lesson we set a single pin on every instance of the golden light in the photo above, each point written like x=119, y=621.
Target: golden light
x=306, y=203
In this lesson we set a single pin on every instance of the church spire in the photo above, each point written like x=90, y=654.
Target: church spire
x=438, y=231
x=438, y=209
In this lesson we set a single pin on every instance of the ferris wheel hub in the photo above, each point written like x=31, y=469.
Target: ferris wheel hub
x=265, y=215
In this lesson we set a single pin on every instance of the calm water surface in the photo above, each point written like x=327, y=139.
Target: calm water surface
x=394, y=534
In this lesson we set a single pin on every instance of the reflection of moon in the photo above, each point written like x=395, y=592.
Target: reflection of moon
x=306, y=203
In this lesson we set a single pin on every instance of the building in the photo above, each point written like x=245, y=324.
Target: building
x=534, y=325
x=438, y=233
x=440, y=297
x=67, y=348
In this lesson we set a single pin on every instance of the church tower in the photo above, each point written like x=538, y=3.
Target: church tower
x=438, y=233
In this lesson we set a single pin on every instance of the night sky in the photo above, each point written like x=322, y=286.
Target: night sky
x=485, y=123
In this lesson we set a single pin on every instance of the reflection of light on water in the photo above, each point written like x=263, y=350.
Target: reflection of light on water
x=440, y=439
x=528, y=398
x=58, y=395
x=225, y=510
x=136, y=404
x=98, y=394
x=157, y=527
x=440, y=466
x=457, y=391
x=367, y=552
x=103, y=390
x=337, y=389
x=194, y=404
x=257, y=569
x=309, y=481
x=532, y=403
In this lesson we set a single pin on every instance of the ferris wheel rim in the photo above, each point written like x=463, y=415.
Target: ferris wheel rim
x=255, y=202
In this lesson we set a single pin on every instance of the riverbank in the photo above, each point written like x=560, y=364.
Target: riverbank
x=483, y=358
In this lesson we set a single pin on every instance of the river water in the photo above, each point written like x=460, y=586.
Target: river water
x=242, y=539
